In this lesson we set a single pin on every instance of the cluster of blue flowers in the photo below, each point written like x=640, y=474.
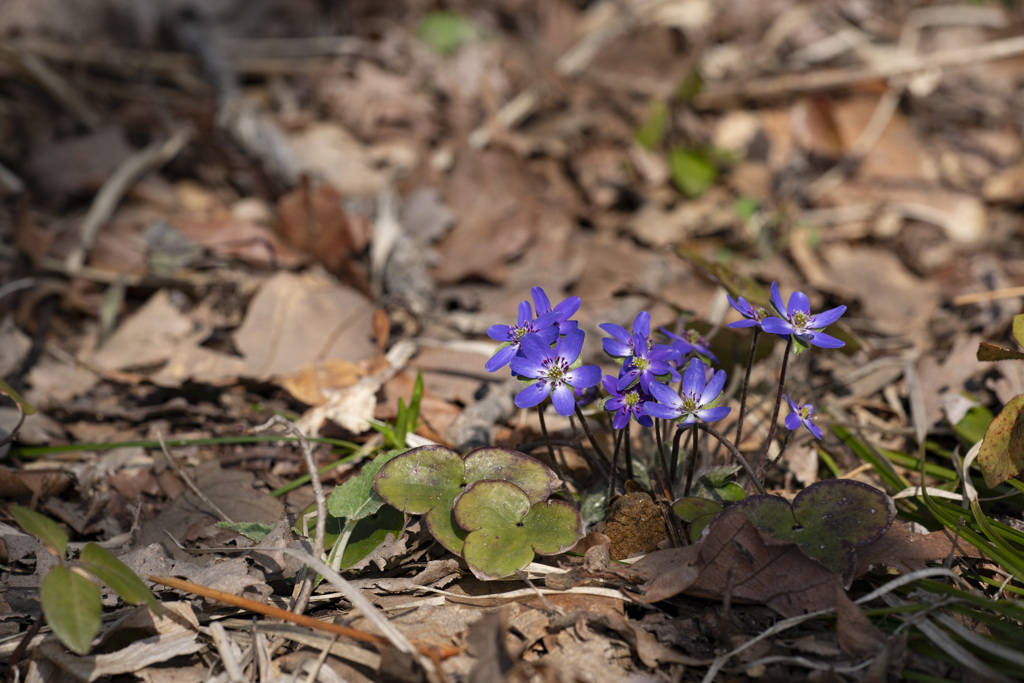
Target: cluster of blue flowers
x=543, y=351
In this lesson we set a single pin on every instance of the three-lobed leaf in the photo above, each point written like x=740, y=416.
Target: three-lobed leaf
x=505, y=529
x=828, y=520
x=72, y=606
x=427, y=480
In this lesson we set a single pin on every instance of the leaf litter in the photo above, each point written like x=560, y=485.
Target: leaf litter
x=251, y=274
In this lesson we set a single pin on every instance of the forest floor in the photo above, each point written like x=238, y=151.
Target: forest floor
x=209, y=217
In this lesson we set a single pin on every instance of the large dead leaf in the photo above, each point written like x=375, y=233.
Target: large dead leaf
x=298, y=319
x=735, y=558
x=148, y=337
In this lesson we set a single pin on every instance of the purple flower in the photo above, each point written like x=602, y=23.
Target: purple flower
x=585, y=395
x=544, y=327
x=797, y=320
x=802, y=414
x=553, y=370
x=696, y=400
x=643, y=360
x=626, y=403
x=752, y=315
x=692, y=341
x=565, y=309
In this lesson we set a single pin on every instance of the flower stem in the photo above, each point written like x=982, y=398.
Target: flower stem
x=615, y=470
x=775, y=411
x=691, y=466
x=675, y=451
x=590, y=457
x=735, y=453
x=590, y=436
x=547, y=440
x=746, y=384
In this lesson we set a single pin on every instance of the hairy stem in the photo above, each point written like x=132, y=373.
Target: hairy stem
x=590, y=436
x=775, y=411
x=735, y=453
x=746, y=384
x=691, y=466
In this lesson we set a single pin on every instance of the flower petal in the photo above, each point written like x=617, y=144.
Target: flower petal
x=627, y=378
x=746, y=322
x=713, y=414
x=500, y=333
x=713, y=388
x=563, y=400
x=501, y=357
x=527, y=367
x=608, y=382
x=525, y=313
x=617, y=331
x=777, y=302
x=792, y=406
x=694, y=378
x=619, y=419
x=568, y=307
x=826, y=318
x=532, y=395
x=798, y=301
x=662, y=411
x=540, y=300
x=583, y=376
x=570, y=346
x=615, y=348
x=642, y=324
x=664, y=395
x=535, y=348
x=778, y=326
x=813, y=429
x=826, y=341
x=793, y=421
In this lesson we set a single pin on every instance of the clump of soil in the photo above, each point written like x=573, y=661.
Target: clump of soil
x=635, y=525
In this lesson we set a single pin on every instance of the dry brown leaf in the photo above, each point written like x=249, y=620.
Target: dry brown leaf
x=148, y=337
x=857, y=634
x=298, y=319
x=906, y=551
x=734, y=557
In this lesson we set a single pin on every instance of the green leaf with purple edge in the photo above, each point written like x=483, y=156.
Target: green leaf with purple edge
x=828, y=520
x=1002, y=451
x=505, y=530
x=427, y=480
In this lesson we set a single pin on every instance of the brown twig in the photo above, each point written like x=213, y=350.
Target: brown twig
x=285, y=615
x=302, y=597
x=191, y=484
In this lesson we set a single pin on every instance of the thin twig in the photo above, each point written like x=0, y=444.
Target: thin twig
x=302, y=598
x=120, y=181
x=191, y=484
x=778, y=403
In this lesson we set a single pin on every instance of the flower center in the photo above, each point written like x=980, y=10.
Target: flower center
x=690, y=404
x=760, y=313
x=800, y=319
x=518, y=332
x=641, y=364
x=555, y=370
x=631, y=398
x=805, y=412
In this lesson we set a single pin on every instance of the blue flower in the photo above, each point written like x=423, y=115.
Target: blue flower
x=643, y=360
x=697, y=400
x=797, y=320
x=565, y=309
x=693, y=342
x=626, y=403
x=554, y=371
x=544, y=327
x=752, y=315
x=802, y=414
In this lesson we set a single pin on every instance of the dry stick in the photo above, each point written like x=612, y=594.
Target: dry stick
x=302, y=598
x=191, y=484
x=126, y=175
x=775, y=413
x=291, y=617
x=735, y=453
x=52, y=82
x=834, y=79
